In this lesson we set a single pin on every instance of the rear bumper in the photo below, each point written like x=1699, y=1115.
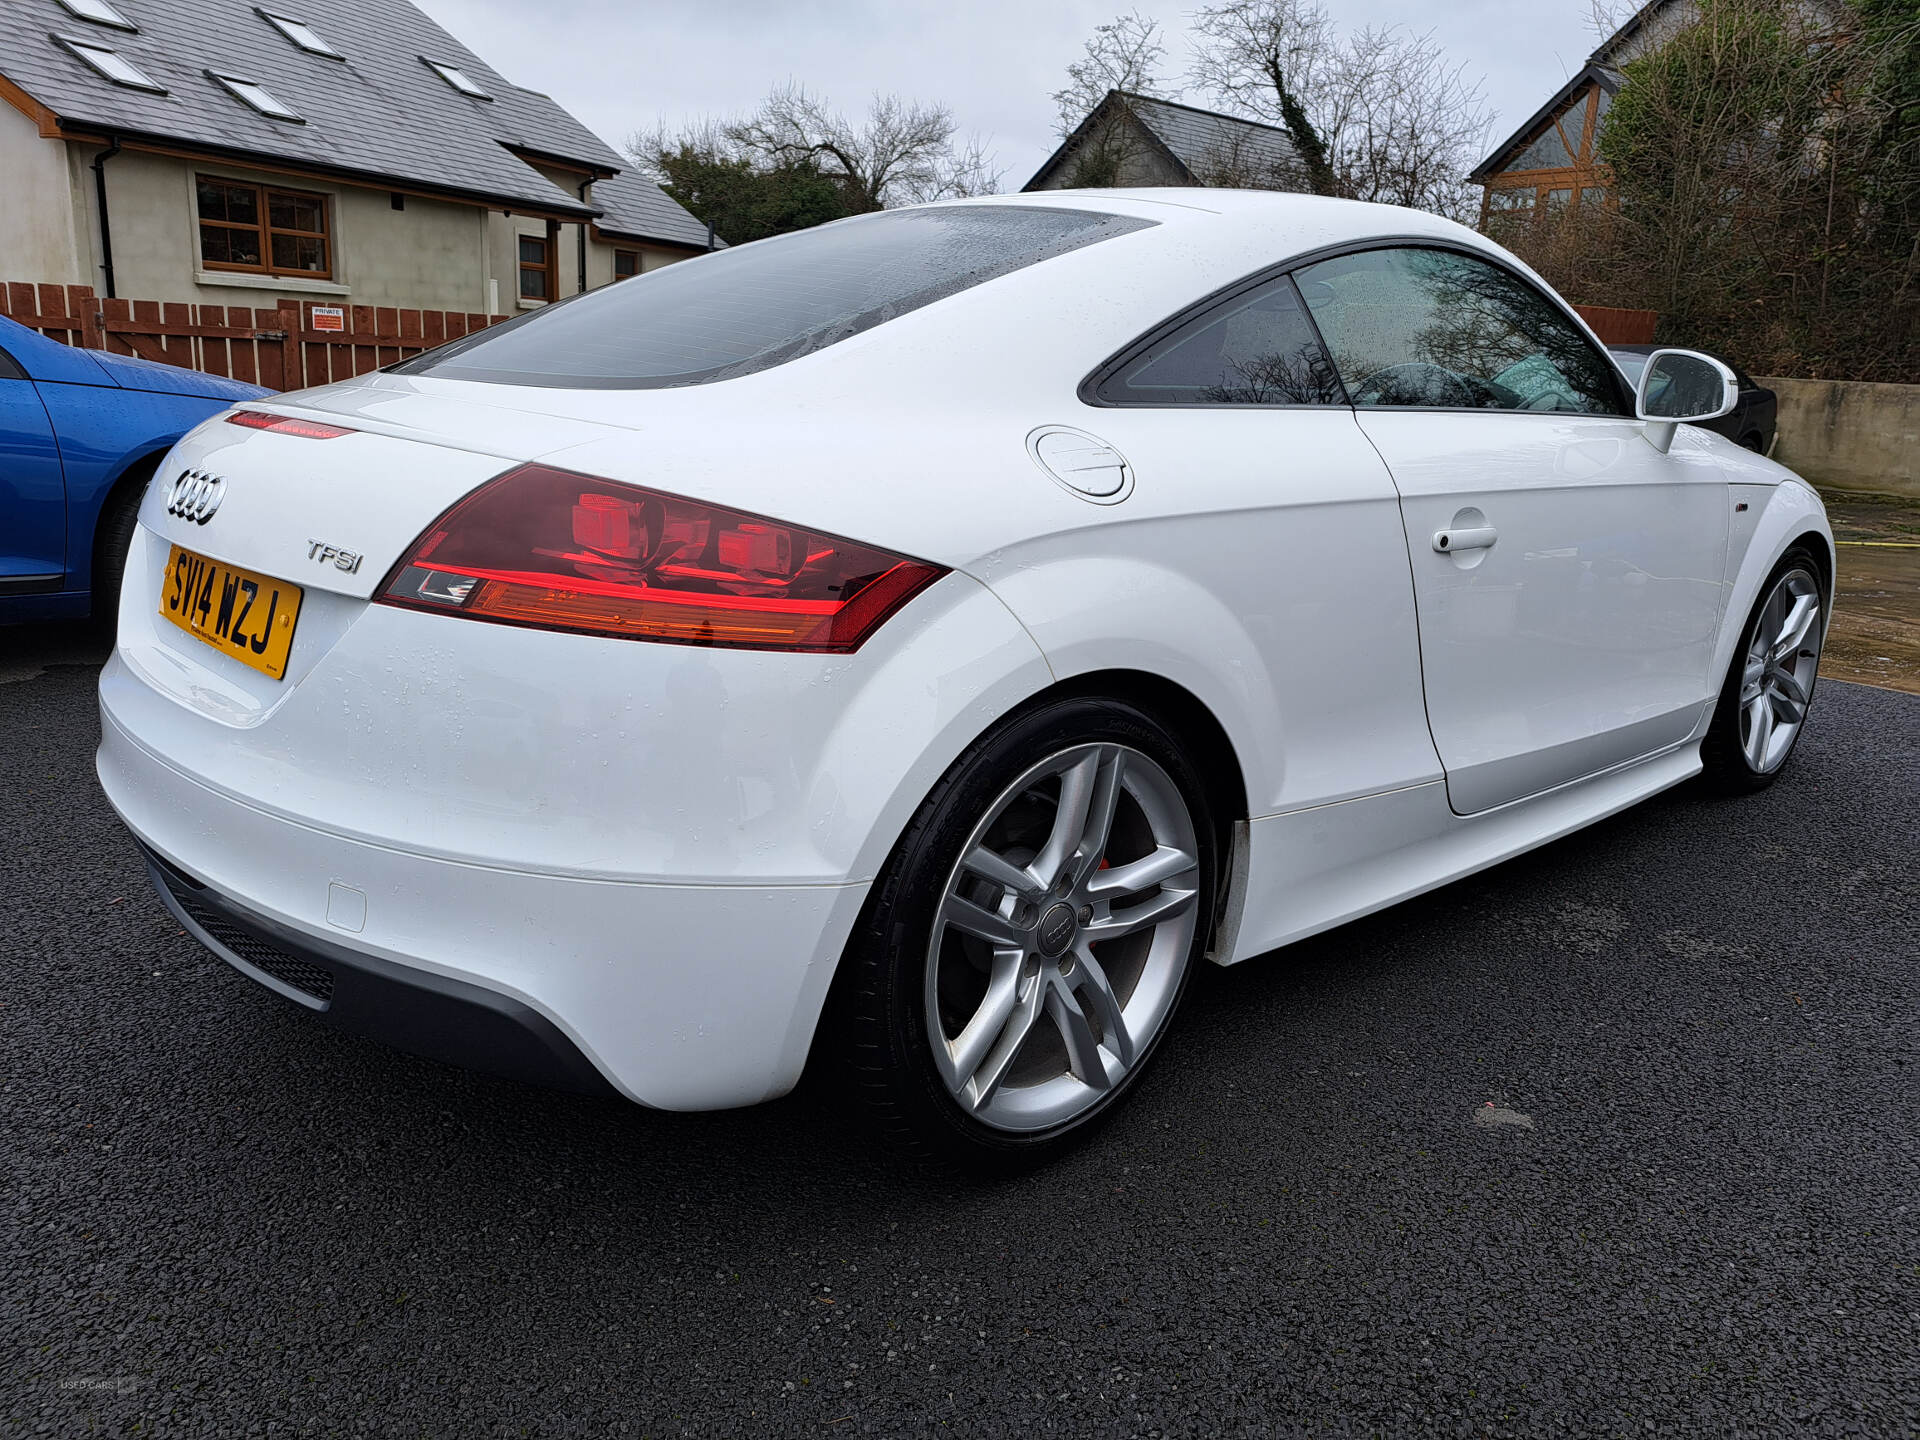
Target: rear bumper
x=409, y=1009
x=681, y=997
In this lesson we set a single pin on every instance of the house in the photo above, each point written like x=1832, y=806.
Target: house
x=1551, y=164
x=339, y=151
x=1129, y=140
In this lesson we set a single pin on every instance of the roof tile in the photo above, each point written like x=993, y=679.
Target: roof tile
x=637, y=208
x=379, y=112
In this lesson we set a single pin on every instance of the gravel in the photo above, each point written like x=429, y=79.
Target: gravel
x=1621, y=1137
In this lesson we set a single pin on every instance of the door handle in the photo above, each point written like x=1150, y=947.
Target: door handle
x=1480, y=537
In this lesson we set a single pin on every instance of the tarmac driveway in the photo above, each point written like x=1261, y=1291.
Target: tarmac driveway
x=1622, y=1137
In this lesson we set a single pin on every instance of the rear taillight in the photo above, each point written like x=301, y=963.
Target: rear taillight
x=287, y=425
x=559, y=551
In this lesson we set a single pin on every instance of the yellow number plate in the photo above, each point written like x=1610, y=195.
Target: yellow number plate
x=239, y=613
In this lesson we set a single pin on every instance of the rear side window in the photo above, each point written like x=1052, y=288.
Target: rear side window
x=1257, y=348
x=750, y=308
x=1438, y=329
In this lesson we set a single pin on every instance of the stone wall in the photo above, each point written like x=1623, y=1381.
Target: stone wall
x=1851, y=435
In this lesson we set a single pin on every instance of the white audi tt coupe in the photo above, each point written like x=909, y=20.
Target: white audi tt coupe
x=921, y=641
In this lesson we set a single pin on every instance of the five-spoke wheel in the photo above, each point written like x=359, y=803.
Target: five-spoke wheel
x=1063, y=935
x=1033, y=933
x=1764, y=703
x=1777, y=682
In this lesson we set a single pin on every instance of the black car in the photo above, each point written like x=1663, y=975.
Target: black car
x=1749, y=423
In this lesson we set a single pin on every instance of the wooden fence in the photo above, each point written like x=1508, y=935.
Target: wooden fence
x=278, y=348
x=1620, y=327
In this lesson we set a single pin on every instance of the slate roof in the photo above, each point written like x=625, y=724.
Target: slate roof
x=638, y=209
x=379, y=112
x=1198, y=140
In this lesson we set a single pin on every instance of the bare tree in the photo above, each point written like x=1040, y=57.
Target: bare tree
x=900, y=153
x=1379, y=114
x=1121, y=59
x=1605, y=17
x=1125, y=55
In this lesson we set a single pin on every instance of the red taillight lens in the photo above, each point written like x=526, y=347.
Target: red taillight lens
x=286, y=425
x=560, y=551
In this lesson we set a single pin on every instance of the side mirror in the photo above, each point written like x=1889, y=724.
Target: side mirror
x=1678, y=386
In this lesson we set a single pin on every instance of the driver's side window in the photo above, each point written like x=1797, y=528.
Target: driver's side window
x=1409, y=326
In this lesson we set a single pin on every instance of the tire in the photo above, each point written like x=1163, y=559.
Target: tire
x=999, y=1050
x=112, y=538
x=1752, y=441
x=1764, y=702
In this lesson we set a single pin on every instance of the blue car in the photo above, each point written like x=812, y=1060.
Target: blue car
x=80, y=434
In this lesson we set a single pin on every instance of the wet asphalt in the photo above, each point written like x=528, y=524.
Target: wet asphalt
x=1621, y=1138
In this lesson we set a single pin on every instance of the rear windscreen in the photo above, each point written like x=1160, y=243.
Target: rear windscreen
x=746, y=309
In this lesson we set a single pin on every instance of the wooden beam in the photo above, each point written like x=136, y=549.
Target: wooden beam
x=45, y=119
x=627, y=242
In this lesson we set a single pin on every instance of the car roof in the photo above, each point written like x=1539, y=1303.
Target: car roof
x=1218, y=208
x=1047, y=324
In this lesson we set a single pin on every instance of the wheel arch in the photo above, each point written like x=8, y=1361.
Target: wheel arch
x=1793, y=515
x=127, y=484
x=1188, y=716
x=1820, y=544
x=1172, y=704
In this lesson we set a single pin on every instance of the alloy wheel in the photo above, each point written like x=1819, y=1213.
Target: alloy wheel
x=1776, y=683
x=1062, y=937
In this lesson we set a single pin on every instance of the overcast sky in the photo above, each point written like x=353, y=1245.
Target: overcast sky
x=622, y=66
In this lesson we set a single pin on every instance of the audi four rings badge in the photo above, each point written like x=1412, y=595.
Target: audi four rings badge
x=194, y=495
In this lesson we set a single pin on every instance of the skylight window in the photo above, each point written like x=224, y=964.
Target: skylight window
x=99, y=12
x=112, y=64
x=457, y=78
x=259, y=97
x=301, y=34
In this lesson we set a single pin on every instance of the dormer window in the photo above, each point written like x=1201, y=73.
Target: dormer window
x=112, y=64
x=301, y=34
x=258, y=96
x=99, y=12
x=457, y=78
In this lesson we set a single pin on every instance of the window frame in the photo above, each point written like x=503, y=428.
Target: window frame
x=446, y=70
x=617, y=254
x=321, y=46
x=1291, y=268
x=237, y=86
x=118, y=22
x=81, y=49
x=545, y=267
x=266, y=230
